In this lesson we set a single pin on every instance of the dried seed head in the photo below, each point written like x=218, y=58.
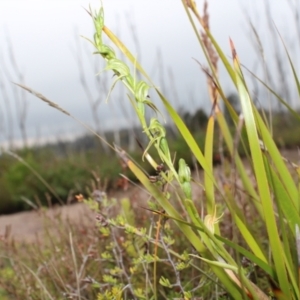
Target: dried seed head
x=190, y=3
x=98, y=196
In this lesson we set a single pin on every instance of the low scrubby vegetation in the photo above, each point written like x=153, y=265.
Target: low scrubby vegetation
x=68, y=167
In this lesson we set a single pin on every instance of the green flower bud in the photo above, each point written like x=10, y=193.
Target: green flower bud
x=107, y=52
x=98, y=41
x=184, y=171
x=184, y=174
x=117, y=65
x=99, y=20
x=141, y=91
x=164, y=147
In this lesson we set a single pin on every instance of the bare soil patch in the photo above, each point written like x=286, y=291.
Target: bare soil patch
x=27, y=226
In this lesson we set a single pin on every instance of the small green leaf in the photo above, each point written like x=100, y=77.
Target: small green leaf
x=165, y=282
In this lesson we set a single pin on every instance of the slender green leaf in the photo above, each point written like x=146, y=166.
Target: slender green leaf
x=262, y=182
x=208, y=181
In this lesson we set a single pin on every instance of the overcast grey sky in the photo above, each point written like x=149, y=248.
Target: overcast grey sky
x=45, y=35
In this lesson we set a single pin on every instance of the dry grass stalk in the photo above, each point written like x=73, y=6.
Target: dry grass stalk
x=43, y=98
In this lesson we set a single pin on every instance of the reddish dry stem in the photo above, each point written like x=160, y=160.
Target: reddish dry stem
x=234, y=54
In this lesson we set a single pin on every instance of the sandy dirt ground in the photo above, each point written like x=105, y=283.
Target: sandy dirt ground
x=25, y=226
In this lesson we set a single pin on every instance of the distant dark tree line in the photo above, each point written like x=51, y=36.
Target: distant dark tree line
x=198, y=120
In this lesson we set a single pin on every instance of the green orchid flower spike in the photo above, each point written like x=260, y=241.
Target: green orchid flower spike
x=158, y=138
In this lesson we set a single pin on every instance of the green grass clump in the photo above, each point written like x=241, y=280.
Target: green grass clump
x=239, y=239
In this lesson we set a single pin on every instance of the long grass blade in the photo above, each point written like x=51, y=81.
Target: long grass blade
x=261, y=178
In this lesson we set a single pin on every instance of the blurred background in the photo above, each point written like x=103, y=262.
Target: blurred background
x=42, y=46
